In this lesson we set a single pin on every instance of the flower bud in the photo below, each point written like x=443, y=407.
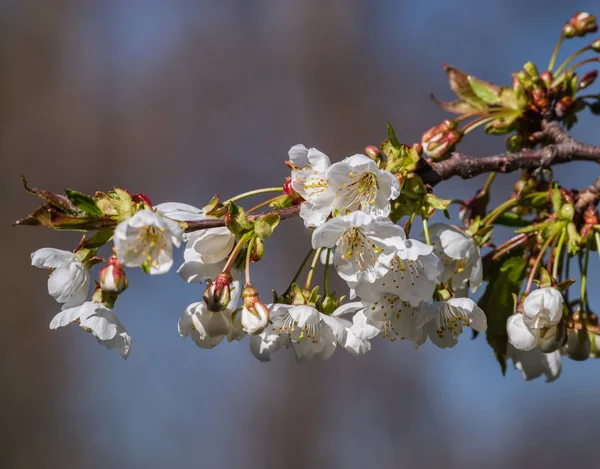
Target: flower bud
x=578, y=344
x=563, y=106
x=255, y=314
x=588, y=79
x=290, y=192
x=418, y=148
x=580, y=24
x=543, y=308
x=258, y=250
x=531, y=70
x=547, y=78
x=112, y=276
x=440, y=139
x=596, y=45
x=373, y=152
x=218, y=293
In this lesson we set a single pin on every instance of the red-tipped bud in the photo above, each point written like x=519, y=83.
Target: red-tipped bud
x=373, y=152
x=218, y=293
x=290, y=192
x=580, y=24
x=588, y=79
x=418, y=148
x=440, y=139
x=142, y=199
x=112, y=276
x=563, y=106
x=255, y=314
x=547, y=78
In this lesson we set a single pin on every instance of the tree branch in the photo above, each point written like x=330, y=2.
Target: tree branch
x=563, y=149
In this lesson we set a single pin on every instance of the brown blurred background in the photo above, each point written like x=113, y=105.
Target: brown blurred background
x=181, y=99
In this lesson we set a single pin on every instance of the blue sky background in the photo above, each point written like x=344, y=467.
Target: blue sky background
x=181, y=100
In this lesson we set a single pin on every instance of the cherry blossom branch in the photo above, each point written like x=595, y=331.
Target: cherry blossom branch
x=563, y=149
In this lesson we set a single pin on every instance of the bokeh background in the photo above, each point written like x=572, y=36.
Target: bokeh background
x=182, y=99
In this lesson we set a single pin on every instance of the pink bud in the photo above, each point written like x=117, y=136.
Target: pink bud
x=440, y=139
x=373, y=152
x=218, y=293
x=112, y=276
x=588, y=79
x=580, y=24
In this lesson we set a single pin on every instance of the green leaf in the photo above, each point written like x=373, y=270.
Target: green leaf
x=236, y=220
x=84, y=203
x=56, y=201
x=510, y=219
x=505, y=278
x=556, y=199
x=486, y=91
x=459, y=83
x=433, y=201
x=455, y=107
x=411, y=198
x=265, y=225
x=98, y=239
x=392, y=136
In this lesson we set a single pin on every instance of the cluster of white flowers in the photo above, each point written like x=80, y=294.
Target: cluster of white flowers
x=536, y=335
x=394, y=281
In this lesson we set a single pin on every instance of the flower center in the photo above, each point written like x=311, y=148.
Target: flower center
x=149, y=243
x=311, y=332
x=451, y=319
x=391, y=310
x=359, y=193
x=358, y=247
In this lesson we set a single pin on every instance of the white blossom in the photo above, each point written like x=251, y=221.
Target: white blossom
x=146, y=240
x=100, y=321
x=359, y=331
x=359, y=240
x=413, y=273
x=519, y=335
x=534, y=363
x=206, y=250
x=208, y=328
x=543, y=308
x=254, y=322
x=311, y=334
x=70, y=280
x=359, y=184
x=447, y=319
x=460, y=255
x=310, y=181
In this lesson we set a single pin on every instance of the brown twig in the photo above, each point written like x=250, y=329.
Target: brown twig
x=563, y=149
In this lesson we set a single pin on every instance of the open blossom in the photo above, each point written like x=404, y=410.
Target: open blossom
x=353, y=184
x=535, y=363
x=447, y=319
x=359, y=240
x=98, y=320
x=70, y=280
x=146, y=240
x=208, y=328
x=392, y=317
x=460, y=255
x=413, y=272
x=359, y=184
x=205, y=250
x=310, y=181
x=311, y=334
x=543, y=308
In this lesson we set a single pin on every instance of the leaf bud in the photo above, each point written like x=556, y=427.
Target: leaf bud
x=531, y=70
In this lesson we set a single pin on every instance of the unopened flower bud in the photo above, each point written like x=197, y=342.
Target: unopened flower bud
x=258, y=250
x=290, y=192
x=596, y=45
x=218, y=293
x=418, y=148
x=112, y=276
x=547, y=78
x=588, y=79
x=373, y=152
x=578, y=344
x=531, y=70
x=440, y=139
x=563, y=106
x=567, y=211
x=580, y=24
x=255, y=314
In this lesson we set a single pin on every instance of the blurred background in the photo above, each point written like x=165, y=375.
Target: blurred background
x=182, y=99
